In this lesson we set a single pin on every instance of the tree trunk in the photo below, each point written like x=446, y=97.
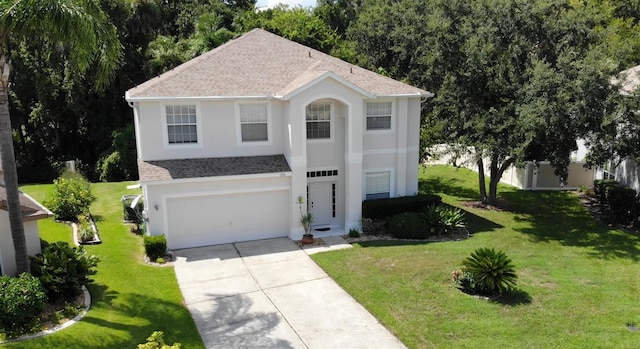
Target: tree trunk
x=496, y=174
x=481, y=180
x=11, y=174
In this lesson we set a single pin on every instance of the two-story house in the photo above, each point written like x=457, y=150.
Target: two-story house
x=229, y=141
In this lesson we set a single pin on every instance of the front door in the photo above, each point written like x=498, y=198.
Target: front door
x=322, y=203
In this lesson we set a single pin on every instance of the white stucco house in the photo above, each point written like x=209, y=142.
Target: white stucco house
x=32, y=211
x=229, y=141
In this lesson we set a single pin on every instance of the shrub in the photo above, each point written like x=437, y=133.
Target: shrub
x=409, y=225
x=354, y=233
x=383, y=208
x=156, y=341
x=492, y=271
x=155, y=246
x=85, y=230
x=463, y=280
x=374, y=226
x=452, y=217
x=63, y=270
x=111, y=168
x=600, y=188
x=21, y=300
x=622, y=202
x=433, y=219
x=71, y=196
x=160, y=260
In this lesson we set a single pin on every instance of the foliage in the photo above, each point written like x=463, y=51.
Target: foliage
x=514, y=80
x=432, y=216
x=354, y=233
x=121, y=163
x=383, y=208
x=374, y=226
x=622, y=203
x=22, y=298
x=463, y=280
x=63, y=270
x=71, y=196
x=409, y=225
x=297, y=24
x=601, y=187
x=160, y=260
x=155, y=246
x=492, y=271
x=306, y=219
x=85, y=228
x=156, y=341
x=452, y=217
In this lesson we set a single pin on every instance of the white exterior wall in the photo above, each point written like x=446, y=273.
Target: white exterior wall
x=7, y=253
x=218, y=129
x=351, y=150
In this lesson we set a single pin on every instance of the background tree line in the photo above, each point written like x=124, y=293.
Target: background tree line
x=514, y=80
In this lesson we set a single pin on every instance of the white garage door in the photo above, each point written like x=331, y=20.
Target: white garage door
x=220, y=219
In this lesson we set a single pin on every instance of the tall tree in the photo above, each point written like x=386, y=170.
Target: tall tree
x=514, y=80
x=82, y=30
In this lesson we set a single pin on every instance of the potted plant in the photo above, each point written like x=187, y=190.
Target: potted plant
x=306, y=219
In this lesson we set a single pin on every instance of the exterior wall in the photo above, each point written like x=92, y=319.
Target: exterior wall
x=343, y=151
x=351, y=150
x=628, y=173
x=218, y=127
x=7, y=253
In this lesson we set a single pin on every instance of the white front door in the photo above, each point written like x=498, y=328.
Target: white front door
x=322, y=203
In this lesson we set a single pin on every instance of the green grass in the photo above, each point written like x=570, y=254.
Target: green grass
x=579, y=281
x=130, y=299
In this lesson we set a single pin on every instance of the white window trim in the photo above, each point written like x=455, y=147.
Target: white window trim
x=165, y=132
x=332, y=123
x=394, y=117
x=392, y=180
x=269, y=140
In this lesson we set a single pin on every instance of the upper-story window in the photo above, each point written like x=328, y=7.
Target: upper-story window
x=254, y=122
x=182, y=126
x=319, y=121
x=378, y=116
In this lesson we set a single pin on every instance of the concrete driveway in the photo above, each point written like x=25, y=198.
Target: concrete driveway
x=270, y=294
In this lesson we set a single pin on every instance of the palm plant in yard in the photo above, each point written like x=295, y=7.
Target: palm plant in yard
x=492, y=271
x=82, y=29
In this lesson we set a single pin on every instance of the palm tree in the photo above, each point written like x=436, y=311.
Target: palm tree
x=82, y=29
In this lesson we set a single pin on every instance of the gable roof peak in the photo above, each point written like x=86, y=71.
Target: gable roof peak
x=261, y=64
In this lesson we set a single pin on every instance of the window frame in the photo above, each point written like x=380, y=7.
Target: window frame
x=331, y=121
x=371, y=172
x=239, y=124
x=392, y=117
x=165, y=126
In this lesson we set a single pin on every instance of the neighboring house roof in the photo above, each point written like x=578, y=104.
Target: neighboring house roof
x=630, y=79
x=31, y=209
x=260, y=64
x=162, y=170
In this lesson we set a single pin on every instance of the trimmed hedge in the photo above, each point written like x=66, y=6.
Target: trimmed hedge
x=155, y=246
x=409, y=225
x=622, y=203
x=383, y=208
x=601, y=187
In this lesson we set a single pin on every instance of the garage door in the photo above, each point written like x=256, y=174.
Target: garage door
x=220, y=219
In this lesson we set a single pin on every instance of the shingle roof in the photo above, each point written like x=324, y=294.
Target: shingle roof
x=161, y=170
x=260, y=63
x=31, y=209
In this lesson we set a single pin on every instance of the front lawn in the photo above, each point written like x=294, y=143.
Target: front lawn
x=130, y=299
x=579, y=281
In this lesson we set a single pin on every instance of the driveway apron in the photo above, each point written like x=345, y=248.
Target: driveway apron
x=270, y=294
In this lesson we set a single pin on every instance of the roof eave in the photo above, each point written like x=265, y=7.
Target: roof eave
x=193, y=98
